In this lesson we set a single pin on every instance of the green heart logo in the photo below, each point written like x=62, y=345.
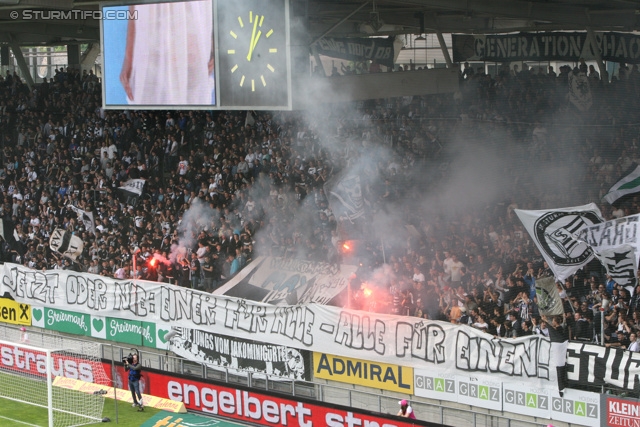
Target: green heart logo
x=98, y=324
x=161, y=334
x=37, y=313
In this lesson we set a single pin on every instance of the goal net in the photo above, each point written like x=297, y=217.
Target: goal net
x=27, y=373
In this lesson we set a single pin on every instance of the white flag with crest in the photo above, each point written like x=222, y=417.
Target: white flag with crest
x=554, y=233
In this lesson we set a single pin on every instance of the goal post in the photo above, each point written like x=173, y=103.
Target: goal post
x=27, y=373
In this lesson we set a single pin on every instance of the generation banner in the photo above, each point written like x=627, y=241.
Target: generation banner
x=406, y=341
x=546, y=46
x=284, y=281
x=241, y=357
x=358, y=49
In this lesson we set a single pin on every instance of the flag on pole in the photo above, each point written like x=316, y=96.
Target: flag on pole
x=628, y=184
x=347, y=204
x=131, y=191
x=580, y=91
x=554, y=233
x=249, y=120
x=66, y=244
x=86, y=217
x=549, y=301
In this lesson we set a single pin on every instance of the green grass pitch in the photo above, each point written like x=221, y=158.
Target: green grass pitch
x=14, y=413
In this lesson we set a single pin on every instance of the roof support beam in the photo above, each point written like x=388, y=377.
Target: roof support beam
x=337, y=24
x=22, y=64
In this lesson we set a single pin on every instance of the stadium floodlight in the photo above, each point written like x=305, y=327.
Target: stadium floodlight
x=27, y=374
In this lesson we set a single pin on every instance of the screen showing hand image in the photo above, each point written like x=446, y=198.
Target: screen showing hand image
x=163, y=55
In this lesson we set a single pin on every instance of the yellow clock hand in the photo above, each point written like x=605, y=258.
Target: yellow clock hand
x=254, y=38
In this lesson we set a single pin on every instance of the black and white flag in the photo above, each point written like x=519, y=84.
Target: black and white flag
x=554, y=233
x=66, y=243
x=131, y=191
x=347, y=204
x=621, y=263
x=86, y=217
x=580, y=91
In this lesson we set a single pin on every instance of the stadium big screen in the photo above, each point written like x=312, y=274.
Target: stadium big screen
x=205, y=54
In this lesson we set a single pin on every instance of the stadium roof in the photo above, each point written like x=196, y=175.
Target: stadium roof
x=343, y=18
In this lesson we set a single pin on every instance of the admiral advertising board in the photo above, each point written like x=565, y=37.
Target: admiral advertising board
x=369, y=374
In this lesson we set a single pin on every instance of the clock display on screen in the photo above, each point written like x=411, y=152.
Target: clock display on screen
x=252, y=51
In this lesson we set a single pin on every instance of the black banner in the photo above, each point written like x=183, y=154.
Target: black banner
x=603, y=366
x=547, y=46
x=358, y=49
x=240, y=356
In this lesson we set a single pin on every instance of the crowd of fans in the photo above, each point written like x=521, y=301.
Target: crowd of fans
x=260, y=178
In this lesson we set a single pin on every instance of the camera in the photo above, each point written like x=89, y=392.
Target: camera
x=129, y=358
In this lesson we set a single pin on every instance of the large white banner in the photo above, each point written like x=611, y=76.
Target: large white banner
x=553, y=231
x=407, y=341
